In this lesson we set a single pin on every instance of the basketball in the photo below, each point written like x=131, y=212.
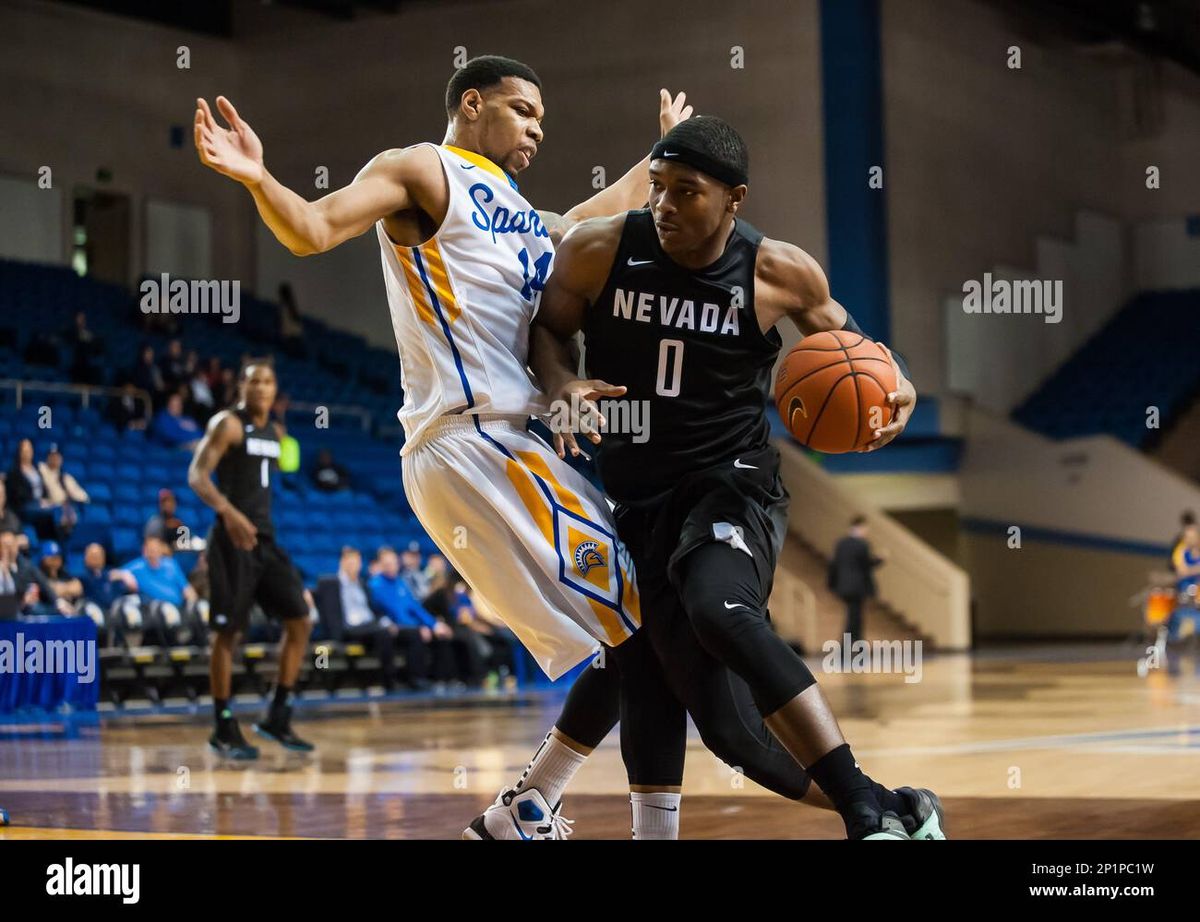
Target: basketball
x=832, y=391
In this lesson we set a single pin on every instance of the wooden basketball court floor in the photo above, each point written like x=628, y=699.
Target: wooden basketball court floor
x=1033, y=743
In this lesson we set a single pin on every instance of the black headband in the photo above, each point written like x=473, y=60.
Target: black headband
x=681, y=153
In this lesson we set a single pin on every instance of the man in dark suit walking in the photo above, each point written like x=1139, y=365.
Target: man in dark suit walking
x=851, y=575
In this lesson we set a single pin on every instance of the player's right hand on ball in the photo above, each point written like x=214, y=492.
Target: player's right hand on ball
x=242, y=532
x=235, y=151
x=574, y=410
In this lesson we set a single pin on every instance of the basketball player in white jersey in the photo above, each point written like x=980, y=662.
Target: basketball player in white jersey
x=465, y=257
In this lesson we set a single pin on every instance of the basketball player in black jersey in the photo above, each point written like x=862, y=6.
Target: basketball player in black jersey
x=245, y=564
x=678, y=305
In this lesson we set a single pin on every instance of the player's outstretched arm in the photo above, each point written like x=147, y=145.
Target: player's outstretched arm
x=224, y=431
x=581, y=266
x=631, y=190
x=395, y=180
x=790, y=283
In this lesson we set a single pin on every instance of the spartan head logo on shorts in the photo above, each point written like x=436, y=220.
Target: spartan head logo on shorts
x=587, y=555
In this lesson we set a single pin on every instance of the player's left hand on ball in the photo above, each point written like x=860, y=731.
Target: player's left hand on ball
x=672, y=111
x=902, y=401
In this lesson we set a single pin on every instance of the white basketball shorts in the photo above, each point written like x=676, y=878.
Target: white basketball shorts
x=528, y=533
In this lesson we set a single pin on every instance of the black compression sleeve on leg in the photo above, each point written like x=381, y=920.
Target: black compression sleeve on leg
x=593, y=704
x=722, y=595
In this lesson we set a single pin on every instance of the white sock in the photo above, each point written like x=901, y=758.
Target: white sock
x=551, y=769
x=655, y=816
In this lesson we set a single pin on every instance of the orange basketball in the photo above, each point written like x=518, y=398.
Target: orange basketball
x=832, y=391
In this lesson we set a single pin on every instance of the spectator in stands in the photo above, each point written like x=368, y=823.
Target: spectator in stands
x=328, y=475
x=391, y=594
x=62, y=490
x=110, y=599
x=351, y=614
x=27, y=493
x=199, y=577
x=851, y=575
x=167, y=526
x=450, y=605
x=200, y=404
x=167, y=600
x=291, y=324
x=418, y=579
x=212, y=373
x=103, y=586
x=67, y=588
x=172, y=366
x=9, y=520
x=129, y=410
x=85, y=360
x=173, y=429
x=23, y=589
x=145, y=375
x=505, y=646
x=226, y=392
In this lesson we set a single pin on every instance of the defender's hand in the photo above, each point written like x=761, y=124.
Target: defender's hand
x=672, y=111
x=235, y=151
x=574, y=410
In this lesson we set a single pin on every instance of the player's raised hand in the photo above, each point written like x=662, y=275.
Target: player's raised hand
x=574, y=410
x=903, y=400
x=235, y=151
x=672, y=111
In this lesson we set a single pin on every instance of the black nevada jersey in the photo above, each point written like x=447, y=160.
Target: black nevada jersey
x=245, y=471
x=688, y=347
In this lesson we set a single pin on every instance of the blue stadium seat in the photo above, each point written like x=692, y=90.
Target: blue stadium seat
x=98, y=515
x=127, y=544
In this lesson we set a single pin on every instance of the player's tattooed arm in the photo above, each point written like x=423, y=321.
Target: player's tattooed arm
x=631, y=191
x=394, y=181
x=224, y=431
x=581, y=267
x=788, y=282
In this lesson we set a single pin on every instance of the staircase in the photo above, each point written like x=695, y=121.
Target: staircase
x=806, y=613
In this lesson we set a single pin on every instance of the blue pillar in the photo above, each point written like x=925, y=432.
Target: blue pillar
x=855, y=214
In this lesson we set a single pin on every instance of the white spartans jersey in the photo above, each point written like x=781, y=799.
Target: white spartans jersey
x=461, y=302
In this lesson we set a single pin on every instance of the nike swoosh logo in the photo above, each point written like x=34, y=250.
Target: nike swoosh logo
x=467, y=166
x=737, y=462
x=638, y=262
x=796, y=406
x=733, y=605
x=668, y=154
x=664, y=809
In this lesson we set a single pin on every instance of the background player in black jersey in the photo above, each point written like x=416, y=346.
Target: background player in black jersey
x=678, y=304
x=245, y=564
